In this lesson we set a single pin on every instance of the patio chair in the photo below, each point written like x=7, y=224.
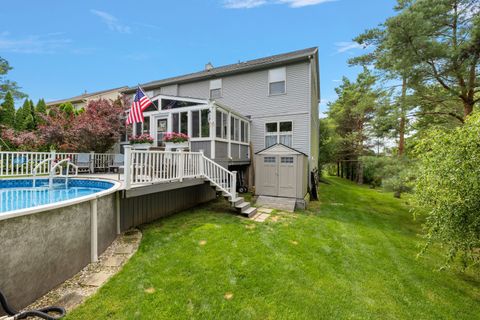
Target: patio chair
x=118, y=163
x=83, y=162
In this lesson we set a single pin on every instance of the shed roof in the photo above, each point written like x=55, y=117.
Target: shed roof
x=279, y=148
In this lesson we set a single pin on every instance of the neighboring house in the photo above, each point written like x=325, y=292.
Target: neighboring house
x=81, y=101
x=263, y=102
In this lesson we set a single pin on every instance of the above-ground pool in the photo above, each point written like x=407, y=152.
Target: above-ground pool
x=49, y=232
x=18, y=194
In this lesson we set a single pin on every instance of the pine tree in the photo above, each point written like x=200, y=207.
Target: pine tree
x=7, y=111
x=21, y=114
x=41, y=107
x=40, y=111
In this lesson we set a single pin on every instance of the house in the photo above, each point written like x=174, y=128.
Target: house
x=227, y=109
x=81, y=101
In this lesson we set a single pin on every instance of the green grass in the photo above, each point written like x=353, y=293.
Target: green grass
x=350, y=256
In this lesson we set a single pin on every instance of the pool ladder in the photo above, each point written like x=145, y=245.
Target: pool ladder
x=53, y=169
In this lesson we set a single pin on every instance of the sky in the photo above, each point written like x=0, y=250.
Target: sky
x=59, y=49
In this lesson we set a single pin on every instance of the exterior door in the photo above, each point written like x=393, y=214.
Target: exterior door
x=161, y=130
x=286, y=176
x=270, y=176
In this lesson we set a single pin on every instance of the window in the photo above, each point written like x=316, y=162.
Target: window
x=221, y=119
x=218, y=123
x=269, y=160
x=242, y=131
x=278, y=132
x=237, y=130
x=288, y=160
x=184, y=122
x=215, y=88
x=277, y=81
x=175, y=127
x=195, y=124
x=168, y=104
x=205, y=125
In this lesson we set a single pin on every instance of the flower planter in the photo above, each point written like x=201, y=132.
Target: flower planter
x=177, y=145
x=141, y=146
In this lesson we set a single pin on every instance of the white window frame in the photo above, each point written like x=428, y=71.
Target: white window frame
x=216, y=84
x=277, y=75
x=278, y=133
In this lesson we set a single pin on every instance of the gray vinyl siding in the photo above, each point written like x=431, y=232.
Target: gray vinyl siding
x=195, y=89
x=248, y=94
x=171, y=90
x=206, y=146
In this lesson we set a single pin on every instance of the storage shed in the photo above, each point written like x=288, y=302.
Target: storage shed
x=281, y=171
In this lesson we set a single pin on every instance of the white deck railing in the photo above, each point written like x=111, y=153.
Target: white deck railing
x=141, y=166
x=13, y=164
x=149, y=167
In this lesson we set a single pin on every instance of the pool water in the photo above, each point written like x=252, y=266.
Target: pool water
x=21, y=193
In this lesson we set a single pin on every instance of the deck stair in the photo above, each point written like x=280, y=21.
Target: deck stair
x=224, y=182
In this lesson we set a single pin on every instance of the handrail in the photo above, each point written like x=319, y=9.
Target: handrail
x=34, y=171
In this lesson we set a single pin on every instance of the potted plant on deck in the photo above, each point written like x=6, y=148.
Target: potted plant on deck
x=176, y=141
x=141, y=142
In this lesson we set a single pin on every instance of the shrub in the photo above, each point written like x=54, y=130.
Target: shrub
x=448, y=187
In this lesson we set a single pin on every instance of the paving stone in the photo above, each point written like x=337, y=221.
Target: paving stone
x=124, y=249
x=262, y=217
x=265, y=210
x=70, y=300
x=97, y=279
x=114, y=261
x=286, y=204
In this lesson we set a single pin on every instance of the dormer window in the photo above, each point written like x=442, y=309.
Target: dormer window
x=215, y=89
x=277, y=81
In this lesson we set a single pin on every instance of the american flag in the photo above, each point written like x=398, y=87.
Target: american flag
x=140, y=103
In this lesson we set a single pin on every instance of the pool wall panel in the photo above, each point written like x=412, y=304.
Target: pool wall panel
x=40, y=251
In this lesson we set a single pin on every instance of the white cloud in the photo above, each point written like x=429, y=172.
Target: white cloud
x=345, y=46
x=111, y=21
x=248, y=4
x=304, y=3
x=39, y=44
x=243, y=4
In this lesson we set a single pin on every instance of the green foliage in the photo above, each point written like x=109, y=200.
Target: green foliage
x=448, y=186
x=7, y=111
x=8, y=86
x=395, y=174
x=24, y=119
x=328, y=141
x=68, y=108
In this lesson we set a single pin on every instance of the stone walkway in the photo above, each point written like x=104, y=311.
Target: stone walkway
x=262, y=214
x=74, y=291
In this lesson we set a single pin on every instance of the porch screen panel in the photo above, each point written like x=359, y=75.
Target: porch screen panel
x=218, y=124
x=237, y=130
x=205, y=125
x=195, y=124
x=184, y=122
x=175, y=118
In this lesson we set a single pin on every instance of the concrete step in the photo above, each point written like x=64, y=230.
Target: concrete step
x=242, y=206
x=237, y=201
x=250, y=212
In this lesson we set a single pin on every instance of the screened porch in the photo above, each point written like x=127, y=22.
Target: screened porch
x=222, y=133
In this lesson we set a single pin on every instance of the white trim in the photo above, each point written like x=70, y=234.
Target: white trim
x=278, y=133
x=277, y=78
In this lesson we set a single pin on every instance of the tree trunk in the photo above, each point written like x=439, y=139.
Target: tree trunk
x=338, y=169
x=467, y=109
x=403, y=118
x=359, y=172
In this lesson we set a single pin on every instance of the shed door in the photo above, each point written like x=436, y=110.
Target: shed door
x=287, y=168
x=270, y=176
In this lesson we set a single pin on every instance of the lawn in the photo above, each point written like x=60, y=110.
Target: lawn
x=350, y=256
